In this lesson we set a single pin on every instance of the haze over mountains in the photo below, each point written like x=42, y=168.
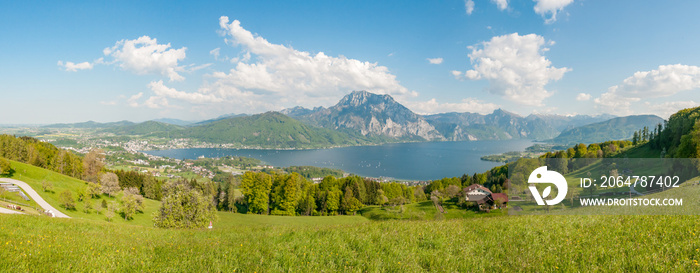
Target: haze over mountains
x=362, y=118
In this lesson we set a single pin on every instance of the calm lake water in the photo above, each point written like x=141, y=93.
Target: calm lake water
x=407, y=161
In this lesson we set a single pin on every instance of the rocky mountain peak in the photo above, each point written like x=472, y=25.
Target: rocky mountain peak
x=360, y=98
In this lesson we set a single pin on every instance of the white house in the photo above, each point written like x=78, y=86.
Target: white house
x=477, y=189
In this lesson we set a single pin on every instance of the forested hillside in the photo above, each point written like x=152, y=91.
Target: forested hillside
x=621, y=128
x=41, y=154
x=268, y=130
x=680, y=137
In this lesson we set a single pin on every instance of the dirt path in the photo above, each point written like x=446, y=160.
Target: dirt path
x=35, y=196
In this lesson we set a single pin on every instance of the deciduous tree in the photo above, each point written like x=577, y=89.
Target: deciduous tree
x=5, y=167
x=92, y=164
x=184, y=207
x=256, y=188
x=93, y=189
x=66, y=199
x=110, y=183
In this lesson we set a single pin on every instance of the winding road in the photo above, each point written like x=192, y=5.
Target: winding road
x=35, y=196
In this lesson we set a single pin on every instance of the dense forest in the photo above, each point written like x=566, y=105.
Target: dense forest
x=292, y=194
x=41, y=154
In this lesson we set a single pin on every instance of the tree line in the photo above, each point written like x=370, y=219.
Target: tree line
x=292, y=194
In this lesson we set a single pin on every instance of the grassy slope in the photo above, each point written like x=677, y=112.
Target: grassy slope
x=422, y=211
x=311, y=244
x=34, y=176
x=534, y=244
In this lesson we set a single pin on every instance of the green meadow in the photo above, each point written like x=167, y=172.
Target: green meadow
x=242, y=243
x=408, y=239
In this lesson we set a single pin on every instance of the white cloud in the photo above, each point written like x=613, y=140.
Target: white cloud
x=133, y=100
x=544, y=7
x=466, y=105
x=469, y=6
x=156, y=102
x=666, y=109
x=163, y=93
x=283, y=76
x=456, y=74
x=583, y=97
x=515, y=67
x=665, y=81
x=192, y=67
x=215, y=52
x=145, y=56
x=73, y=67
x=435, y=60
x=502, y=4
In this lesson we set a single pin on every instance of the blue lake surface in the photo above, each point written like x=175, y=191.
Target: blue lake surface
x=406, y=161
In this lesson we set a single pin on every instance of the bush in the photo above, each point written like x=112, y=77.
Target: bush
x=47, y=186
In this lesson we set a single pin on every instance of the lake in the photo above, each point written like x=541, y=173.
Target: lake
x=405, y=161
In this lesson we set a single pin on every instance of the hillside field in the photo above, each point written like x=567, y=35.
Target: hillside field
x=465, y=242
x=533, y=243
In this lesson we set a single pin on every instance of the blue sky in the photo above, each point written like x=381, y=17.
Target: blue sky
x=109, y=61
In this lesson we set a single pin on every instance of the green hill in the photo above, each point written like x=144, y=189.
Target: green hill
x=35, y=176
x=681, y=136
x=620, y=128
x=268, y=130
x=143, y=128
x=90, y=125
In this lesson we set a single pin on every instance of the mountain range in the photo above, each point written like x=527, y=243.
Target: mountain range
x=372, y=114
x=362, y=118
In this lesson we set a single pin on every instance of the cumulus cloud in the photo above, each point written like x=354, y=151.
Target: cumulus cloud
x=515, y=67
x=466, y=105
x=544, y=7
x=163, y=93
x=435, y=60
x=145, y=56
x=665, y=81
x=583, y=97
x=469, y=6
x=284, y=76
x=666, y=109
x=502, y=4
x=456, y=74
x=74, y=67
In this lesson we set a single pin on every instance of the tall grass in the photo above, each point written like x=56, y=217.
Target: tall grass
x=528, y=243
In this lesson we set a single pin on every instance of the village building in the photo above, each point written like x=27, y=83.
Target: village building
x=484, y=198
